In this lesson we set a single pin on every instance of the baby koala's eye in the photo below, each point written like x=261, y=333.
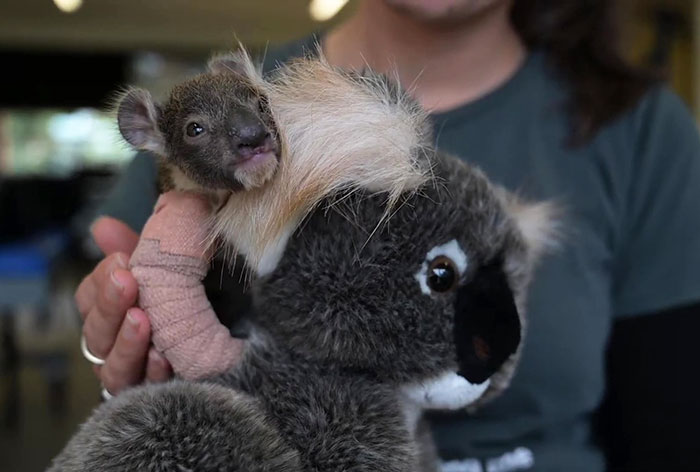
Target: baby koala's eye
x=442, y=269
x=442, y=275
x=194, y=129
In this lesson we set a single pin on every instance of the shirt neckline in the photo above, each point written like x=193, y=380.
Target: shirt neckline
x=494, y=98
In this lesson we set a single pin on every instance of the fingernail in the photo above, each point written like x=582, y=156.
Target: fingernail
x=115, y=289
x=156, y=357
x=115, y=280
x=132, y=326
x=121, y=260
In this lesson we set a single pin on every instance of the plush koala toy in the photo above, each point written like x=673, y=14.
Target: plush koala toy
x=388, y=279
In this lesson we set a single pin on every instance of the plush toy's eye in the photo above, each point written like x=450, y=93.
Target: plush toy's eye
x=194, y=129
x=442, y=269
x=442, y=275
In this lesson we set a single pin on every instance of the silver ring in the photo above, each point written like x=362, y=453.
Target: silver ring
x=105, y=394
x=87, y=354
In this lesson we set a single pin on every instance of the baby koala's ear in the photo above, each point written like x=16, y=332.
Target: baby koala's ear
x=236, y=62
x=137, y=115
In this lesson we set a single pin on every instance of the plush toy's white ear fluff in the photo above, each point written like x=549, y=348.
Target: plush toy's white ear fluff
x=538, y=223
x=137, y=116
x=338, y=134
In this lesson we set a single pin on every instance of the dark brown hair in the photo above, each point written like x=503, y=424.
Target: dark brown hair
x=580, y=40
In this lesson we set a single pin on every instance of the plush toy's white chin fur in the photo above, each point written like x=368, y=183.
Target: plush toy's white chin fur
x=446, y=392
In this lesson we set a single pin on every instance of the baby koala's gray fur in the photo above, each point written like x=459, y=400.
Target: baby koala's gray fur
x=350, y=341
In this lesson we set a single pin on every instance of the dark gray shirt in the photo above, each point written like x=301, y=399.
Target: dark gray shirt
x=631, y=226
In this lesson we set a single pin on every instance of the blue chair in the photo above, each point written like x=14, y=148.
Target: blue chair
x=25, y=281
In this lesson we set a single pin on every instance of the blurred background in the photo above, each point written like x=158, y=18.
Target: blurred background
x=61, y=62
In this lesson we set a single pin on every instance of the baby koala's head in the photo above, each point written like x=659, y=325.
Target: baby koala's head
x=216, y=128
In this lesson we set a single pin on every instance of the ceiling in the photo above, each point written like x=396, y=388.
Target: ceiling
x=196, y=26
x=178, y=25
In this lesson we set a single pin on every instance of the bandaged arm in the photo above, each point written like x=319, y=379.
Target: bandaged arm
x=169, y=264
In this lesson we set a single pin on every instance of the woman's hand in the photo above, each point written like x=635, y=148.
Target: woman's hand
x=114, y=328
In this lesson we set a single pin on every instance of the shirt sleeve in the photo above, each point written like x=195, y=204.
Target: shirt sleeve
x=135, y=193
x=648, y=361
x=658, y=265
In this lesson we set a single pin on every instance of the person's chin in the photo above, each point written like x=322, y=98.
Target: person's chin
x=442, y=10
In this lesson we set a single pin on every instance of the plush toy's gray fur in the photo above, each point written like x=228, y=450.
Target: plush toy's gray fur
x=178, y=426
x=345, y=334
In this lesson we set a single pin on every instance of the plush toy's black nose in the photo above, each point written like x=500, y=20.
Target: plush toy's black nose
x=487, y=325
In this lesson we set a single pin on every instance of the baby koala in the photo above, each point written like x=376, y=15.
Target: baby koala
x=215, y=132
x=215, y=137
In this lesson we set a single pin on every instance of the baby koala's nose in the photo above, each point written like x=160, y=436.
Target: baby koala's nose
x=249, y=135
x=252, y=136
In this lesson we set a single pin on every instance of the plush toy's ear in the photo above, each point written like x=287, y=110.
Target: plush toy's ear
x=538, y=222
x=238, y=62
x=137, y=115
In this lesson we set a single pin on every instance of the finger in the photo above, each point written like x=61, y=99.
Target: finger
x=126, y=362
x=112, y=235
x=158, y=368
x=116, y=294
x=87, y=292
x=86, y=295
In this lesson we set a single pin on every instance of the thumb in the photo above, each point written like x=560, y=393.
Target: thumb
x=112, y=235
